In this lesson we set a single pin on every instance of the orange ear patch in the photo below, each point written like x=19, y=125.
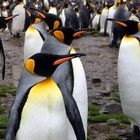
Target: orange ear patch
x=59, y=61
x=56, y=24
x=59, y=35
x=30, y=65
x=37, y=20
x=139, y=26
x=120, y=23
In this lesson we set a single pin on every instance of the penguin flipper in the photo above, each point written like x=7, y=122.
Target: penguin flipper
x=2, y=59
x=73, y=113
x=26, y=82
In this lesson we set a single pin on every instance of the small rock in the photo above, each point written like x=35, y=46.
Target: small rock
x=96, y=80
x=111, y=108
x=110, y=121
x=105, y=93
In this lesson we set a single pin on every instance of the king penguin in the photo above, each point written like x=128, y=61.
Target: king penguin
x=43, y=105
x=103, y=18
x=121, y=13
x=3, y=22
x=20, y=23
x=75, y=92
x=128, y=73
x=52, y=9
x=111, y=13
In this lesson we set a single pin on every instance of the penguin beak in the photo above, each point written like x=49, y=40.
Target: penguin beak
x=79, y=33
x=82, y=32
x=118, y=22
x=41, y=14
x=67, y=58
x=10, y=18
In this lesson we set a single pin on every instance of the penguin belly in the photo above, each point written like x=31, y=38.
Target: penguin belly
x=43, y=116
x=103, y=19
x=111, y=13
x=129, y=78
x=79, y=94
x=18, y=22
x=30, y=48
x=95, y=21
x=63, y=17
x=53, y=10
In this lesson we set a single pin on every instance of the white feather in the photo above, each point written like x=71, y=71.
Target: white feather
x=129, y=78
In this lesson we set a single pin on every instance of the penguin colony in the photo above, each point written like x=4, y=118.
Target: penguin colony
x=51, y=99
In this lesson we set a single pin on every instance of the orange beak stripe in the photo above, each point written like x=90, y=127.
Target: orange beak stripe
x=59, y=61
x=41, y=14
x=78, y=33
x=121, y=23
x=8, y=18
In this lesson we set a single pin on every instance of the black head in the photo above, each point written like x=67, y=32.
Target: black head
x=130, y=27
x=5, y=20
x=45, y=64
x=66, y=34
x=34, y=18
x=53, y=21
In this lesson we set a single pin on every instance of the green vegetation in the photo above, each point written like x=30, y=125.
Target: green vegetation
x=2, y=110
x=2, y=133
x=104, y=117
x=3, y=121
x=115, y=96
x=4, y=90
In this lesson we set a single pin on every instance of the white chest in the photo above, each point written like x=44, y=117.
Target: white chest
x=43, y=116
x=32, y=44
x=129, y=77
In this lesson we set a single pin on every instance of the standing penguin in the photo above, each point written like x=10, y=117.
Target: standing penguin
x=19, y=24
x=5, y=8
x=3, y=22
x=128, y=73
x=103, y=18
x=71, y=88
x=111, y=13
x=121, y=13
x=43, y=105
x=52, y=9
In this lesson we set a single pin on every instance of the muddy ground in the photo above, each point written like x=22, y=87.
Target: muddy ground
x=101, y=71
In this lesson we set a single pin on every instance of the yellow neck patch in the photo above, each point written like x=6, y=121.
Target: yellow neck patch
x=59, y=35
x=31, y=28
x=21, y=4
x=30, y=65
x=56, y=24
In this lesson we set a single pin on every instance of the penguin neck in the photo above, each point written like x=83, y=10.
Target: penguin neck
x=53, y=46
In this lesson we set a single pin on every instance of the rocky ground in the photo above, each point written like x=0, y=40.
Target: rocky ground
x=106, y=121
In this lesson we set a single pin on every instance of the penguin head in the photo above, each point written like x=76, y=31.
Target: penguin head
x=43, y=64
x=130, y=27
x=34, y=18
x=5, y=20
x=53, y=21
x=66, y=34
